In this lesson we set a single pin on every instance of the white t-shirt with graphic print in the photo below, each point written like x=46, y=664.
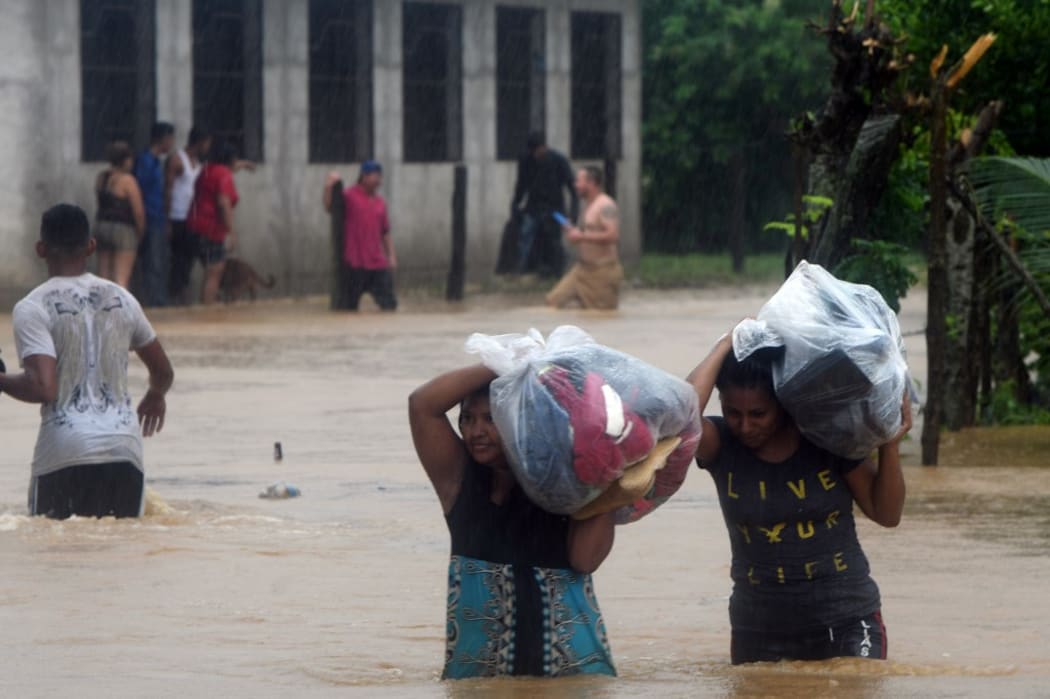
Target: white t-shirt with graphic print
x=88, y=325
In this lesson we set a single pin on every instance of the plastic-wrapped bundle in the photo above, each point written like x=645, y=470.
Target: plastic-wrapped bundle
x=843, y=373
x=575, y=415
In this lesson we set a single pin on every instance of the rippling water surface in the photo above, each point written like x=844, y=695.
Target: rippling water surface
x=341, y=591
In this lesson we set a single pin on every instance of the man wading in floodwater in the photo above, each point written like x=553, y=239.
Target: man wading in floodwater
x=72, y=336
x=595, y=278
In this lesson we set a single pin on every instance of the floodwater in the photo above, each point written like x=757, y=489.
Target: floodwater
x=341, y=592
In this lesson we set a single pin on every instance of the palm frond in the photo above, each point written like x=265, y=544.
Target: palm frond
x=1017, y=187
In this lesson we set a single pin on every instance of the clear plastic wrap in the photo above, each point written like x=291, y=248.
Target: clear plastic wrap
x=843, y=372
x=575, y=415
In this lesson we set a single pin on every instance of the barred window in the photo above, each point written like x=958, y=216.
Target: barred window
x=432, y=82
x=596, y=85
x=227, y=72
x=520, y=78
x=117, y=74
x=340, y=80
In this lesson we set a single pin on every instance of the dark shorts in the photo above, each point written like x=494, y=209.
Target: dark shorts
x=377, y=282
x=859, y=638
x=212, y=252
x=114, y=489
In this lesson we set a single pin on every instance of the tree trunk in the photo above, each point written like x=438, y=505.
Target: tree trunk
x=937, y=296
x=860, y=187
x=1008, y=363
x=987, y=264
x=961, y=243
x=957, y=362
x=738, y=223
x=797, y=250
x=850, y=151
x=337, y=275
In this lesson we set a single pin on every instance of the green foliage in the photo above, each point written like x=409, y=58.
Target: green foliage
x=902, y=214
x=1015, y=194
x=813, y=209
x=722, y=80
x=1016, y=68
x=1014, y=187
x=1005, y=409
x=697, y=270
x=880, y=264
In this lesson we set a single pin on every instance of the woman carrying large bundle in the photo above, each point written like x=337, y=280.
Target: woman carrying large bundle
x=520, y=596
x=801, y=583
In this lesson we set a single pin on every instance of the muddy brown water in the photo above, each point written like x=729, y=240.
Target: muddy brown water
x=341, y=591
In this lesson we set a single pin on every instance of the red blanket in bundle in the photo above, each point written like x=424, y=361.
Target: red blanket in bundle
x=607, y=437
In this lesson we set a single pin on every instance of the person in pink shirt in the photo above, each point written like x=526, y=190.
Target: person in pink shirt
x=368, y=251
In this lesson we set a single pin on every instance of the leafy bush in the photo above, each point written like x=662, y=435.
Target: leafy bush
x=882, y=265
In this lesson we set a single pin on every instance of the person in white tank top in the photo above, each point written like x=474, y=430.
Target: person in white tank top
x=181, y=174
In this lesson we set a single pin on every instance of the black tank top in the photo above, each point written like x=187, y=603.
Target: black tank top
x=110, y=206
x=516, y=531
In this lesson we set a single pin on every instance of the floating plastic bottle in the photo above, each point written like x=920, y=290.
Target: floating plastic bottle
x=280, y=491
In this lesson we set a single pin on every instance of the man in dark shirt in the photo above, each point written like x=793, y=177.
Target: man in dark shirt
x=542, y=175
x=153, y=258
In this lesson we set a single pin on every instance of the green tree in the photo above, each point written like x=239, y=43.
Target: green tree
x=722, y=81
x=1014, y=194
x=1016, y=70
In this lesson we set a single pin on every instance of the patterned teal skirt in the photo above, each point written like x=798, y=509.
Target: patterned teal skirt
x=553, y=628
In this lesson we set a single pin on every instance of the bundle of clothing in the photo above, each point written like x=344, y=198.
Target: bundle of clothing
x=588, y=429
x=840, y=369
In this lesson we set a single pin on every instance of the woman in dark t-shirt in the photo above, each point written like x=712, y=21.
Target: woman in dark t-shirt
x=801, y=583
x=520, y=596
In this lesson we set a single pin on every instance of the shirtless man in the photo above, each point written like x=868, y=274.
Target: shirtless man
x=595, y=278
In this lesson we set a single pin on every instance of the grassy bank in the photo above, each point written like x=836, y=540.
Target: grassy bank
x=699, y=270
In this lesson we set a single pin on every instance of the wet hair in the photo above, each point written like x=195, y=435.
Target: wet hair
x=117, y=152
x=160, y=130
x=535, y=140
x=595, y=174
x=482, y=392
x=65, y=230
x=197, y=136
x=223, y=152
x=756, y=371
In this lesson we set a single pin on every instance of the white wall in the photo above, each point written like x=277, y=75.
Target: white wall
x=283, y=228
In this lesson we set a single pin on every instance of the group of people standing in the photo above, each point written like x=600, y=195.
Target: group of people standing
x=538, y=215
x=159, y=212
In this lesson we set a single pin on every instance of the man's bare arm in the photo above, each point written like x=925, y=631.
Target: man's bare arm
x=37, y=384
x=172, y=170
x=152, y=407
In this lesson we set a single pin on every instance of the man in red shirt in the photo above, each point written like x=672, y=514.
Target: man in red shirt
x=368, y=251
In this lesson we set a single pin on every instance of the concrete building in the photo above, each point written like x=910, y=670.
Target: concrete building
x=311, y=86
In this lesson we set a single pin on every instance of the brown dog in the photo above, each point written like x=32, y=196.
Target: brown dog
x=239, y=277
